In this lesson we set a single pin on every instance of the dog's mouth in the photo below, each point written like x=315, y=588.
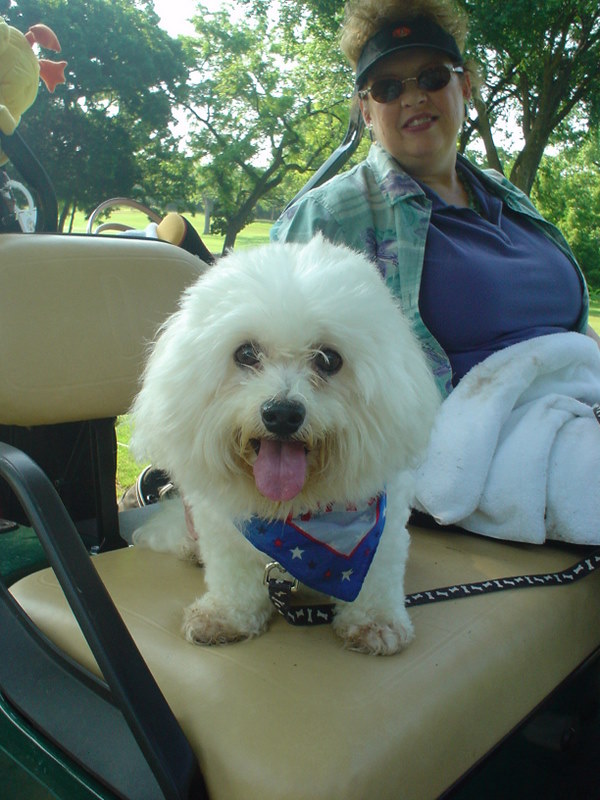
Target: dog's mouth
x=280, y=468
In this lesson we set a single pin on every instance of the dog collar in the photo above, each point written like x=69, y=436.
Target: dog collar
x=329, y=551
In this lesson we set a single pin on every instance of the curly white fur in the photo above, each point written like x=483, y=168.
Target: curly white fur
x=365, y=427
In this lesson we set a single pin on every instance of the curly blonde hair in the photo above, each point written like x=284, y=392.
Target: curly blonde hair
x=364, y=18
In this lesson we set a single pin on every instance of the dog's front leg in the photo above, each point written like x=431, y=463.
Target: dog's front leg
x=236, y=605
x=377, y=621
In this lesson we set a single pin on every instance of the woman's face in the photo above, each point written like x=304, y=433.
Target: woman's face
x=420, y=128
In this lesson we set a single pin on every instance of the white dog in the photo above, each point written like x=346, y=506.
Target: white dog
x=289, y=386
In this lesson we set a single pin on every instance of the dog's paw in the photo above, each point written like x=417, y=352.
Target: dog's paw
x=377, y=639
x=376, y=636
x=206, y=621
x=189, y=550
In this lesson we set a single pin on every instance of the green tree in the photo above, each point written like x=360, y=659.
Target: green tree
x=102, y=132
x=540, y=62
x=567, y=191
x=263, y=105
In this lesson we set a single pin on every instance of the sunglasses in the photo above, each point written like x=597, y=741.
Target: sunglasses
x=431, y=79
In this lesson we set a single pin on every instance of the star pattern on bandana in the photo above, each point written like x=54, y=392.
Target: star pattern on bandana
x=330, y=550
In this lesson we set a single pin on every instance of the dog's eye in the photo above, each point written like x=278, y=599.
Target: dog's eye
x=327, y=361
x=247, y=355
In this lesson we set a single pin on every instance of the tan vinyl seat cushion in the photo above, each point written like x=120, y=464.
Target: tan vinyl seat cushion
x=293, y=715
x=78, y=314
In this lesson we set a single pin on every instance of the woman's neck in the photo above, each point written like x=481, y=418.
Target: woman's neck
x=449, y=187
x=444, y=179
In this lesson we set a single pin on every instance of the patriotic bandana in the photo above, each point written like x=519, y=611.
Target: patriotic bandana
x=329, y=551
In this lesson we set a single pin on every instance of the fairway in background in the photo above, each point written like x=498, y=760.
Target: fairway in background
x=595, y=315
x=255, y=233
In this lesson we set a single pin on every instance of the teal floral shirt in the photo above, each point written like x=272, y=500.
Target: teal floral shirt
x=378, y=209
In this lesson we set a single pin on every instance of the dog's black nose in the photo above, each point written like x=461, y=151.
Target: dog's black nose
x=282, y=417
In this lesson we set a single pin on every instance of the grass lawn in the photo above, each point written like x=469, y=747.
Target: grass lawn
x=127, y=467
x=253, y=234
x=595, y=315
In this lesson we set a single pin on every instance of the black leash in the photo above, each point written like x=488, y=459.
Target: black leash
x=572, y=574
x=281, y=590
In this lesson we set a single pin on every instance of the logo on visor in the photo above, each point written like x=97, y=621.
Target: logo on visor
x=402, y=32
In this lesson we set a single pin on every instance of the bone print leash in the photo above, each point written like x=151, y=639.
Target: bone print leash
x=572, y=574
x=281, y=590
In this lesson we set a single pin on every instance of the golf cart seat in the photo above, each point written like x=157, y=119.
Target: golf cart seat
x=100, y=695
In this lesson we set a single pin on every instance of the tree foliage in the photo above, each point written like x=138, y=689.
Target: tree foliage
x=263, y=105
x=266, y=94
x=567, y=192
x=97, y=133
x=540, y=62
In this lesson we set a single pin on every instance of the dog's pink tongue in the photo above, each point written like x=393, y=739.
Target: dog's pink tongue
x=280, y=469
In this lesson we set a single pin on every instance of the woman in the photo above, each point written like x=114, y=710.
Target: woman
x=476, y=269
x=474, y=265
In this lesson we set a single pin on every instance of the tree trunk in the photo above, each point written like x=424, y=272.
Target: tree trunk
x=73, y=209
x=485, y=131
x=209, y=205
x=64, y=213
x=233, y=228
x=268, y=180
x=527, y=162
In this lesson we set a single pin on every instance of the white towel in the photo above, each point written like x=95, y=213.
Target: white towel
x=515, y=450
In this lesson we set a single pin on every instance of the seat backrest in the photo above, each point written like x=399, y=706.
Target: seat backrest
x=77, y=314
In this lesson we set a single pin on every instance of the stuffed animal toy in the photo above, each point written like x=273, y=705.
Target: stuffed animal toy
x=20, y=71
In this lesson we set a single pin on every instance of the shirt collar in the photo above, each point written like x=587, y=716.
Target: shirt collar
x=395, y=184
